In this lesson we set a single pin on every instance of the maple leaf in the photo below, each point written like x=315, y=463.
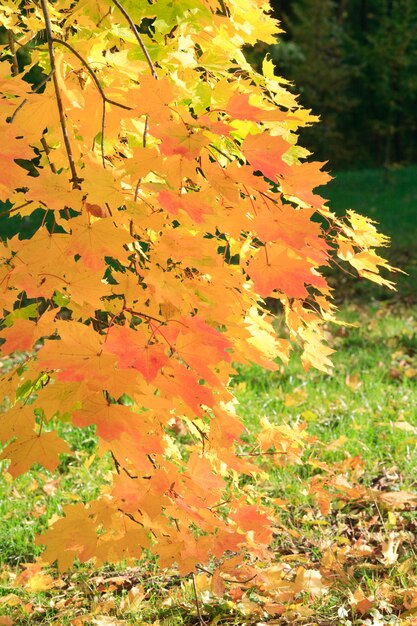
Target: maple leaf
x=134, y=349
x=54, y=191
x=78, y=350
x=181, y=382
x=13, y=147
x=239, y=108
x=94, y=240
x=24, y=332
x=70, y=536
x=191, y=203
x=198, y=345
x=280, y=267
x=265, y=153
x=155, y=96
x=302, y=179
x=31, y=447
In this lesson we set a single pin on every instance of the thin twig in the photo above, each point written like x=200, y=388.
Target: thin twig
x=135, y=197
x=10, y=120
x=16, y=208
x=49, y=35
x=92, y=74
x=115, y=461
x=130, y=516
x=15, y=64
x=203, y=569
x=197, y=604
x=138, y=37
x=145, y=131
x=144, y=139
x=272, y=453
x=99, y=87
x=202, y=435
x=227, y=156
x=103, y=125
x=47, y=151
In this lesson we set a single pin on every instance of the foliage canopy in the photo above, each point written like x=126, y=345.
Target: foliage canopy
x=171, y=199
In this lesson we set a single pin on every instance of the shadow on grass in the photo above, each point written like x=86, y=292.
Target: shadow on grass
x=388, y=196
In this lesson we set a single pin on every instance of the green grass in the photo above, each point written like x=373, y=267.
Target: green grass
x=387, y=196
x=368, y=405
x=371, y=397
x=390, y=198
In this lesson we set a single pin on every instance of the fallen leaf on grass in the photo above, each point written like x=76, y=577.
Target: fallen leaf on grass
x=360, y=602
x=394, y=373
x=33, y=578
x=133, y=599
x=406, y=426
x=353, y=381
x=273, y=608
x=112, y=583
x=310, y=581
x=11, y=599
x=361, y=549
x=337, y=443
x=309, y=416
x=6, y=621
x=408, y=620
x=407, y=566
x=51, y=486
x=390, y=551
x=299, y=396
x=107, y=620
x=396, y=499
x=410, y=599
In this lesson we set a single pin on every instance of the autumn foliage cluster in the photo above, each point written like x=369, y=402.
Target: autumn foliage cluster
x=174, y=200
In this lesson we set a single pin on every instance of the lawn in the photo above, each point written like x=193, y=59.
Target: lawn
x=361, y=450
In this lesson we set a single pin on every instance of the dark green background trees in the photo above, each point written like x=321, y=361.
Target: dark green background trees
x=355, y=63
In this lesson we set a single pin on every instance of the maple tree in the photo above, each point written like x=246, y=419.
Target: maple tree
x=175, y=199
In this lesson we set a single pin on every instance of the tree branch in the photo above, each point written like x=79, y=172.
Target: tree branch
x=99, y=87
x=92, y=74
x=15, y=64
x=49, y=35
x=138, y=37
